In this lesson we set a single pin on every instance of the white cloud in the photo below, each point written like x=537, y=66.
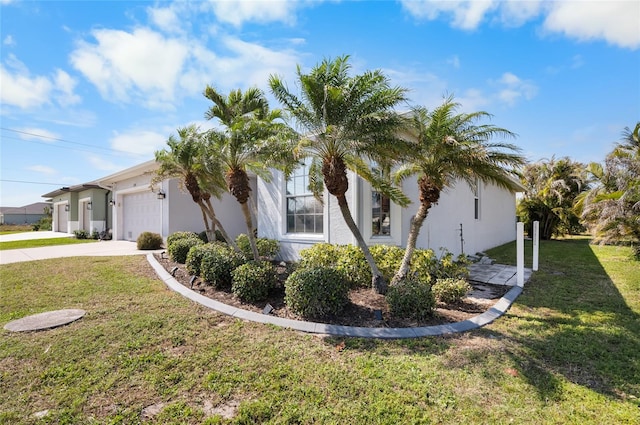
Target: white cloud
x=38, y=134
x=64, y=85
x=142, y=65
x=43, y=169
x=100, y=163
x=139, y=142
x=464, y=14
x=237, y=12
x=21, y=90
x=167, y=19
x=513, y=89
x=615, y=21
x=9, y=41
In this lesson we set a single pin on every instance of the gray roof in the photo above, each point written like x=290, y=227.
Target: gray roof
x=35, y=208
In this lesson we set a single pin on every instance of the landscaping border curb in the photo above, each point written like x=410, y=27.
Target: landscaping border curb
x=497, y=310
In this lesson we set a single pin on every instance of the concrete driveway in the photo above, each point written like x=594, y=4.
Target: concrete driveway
x=92, y=249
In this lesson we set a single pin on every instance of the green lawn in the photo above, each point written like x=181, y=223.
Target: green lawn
x=42, y=242
x=567, y=352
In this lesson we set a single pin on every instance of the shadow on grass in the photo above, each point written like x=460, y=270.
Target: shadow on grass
x=572, y=321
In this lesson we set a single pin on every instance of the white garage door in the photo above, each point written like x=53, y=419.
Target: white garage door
x=62, y=218
x=141, y=213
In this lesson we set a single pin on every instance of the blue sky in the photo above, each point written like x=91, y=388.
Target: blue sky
x=90, y=88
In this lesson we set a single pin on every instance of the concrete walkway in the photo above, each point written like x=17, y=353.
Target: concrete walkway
x=493, y=274
x=89, y=249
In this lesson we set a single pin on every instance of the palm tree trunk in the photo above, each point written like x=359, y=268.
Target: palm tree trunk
x=252, y=238
x=212, y=214
x=414, y=230
x=378, y=282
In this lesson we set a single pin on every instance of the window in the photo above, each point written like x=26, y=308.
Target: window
x=304, y=211
x=380, y=214
x=476, y=200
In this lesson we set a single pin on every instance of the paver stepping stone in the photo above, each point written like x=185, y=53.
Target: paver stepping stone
x=47, y=320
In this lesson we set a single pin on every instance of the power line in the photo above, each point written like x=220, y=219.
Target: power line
x=23, y=181
x=65, y=141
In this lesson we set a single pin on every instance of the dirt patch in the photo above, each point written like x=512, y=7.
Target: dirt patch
x=364, y=309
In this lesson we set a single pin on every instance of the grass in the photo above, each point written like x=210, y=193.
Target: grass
x=35, y=243
x=567, y=352
x=7, y=229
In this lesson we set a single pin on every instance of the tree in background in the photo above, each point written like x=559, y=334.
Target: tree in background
x=551, y=188
x=449, y=147
x=611, y=208
x=184, y=160
x=349, y=123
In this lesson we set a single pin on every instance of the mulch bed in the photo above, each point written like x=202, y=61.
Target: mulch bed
x=359, y=312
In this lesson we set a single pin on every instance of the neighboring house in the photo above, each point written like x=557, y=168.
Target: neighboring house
x=463, y=221
x=125, y=205
x=28, y=214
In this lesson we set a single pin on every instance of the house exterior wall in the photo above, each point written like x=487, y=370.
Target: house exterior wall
x=495, y=225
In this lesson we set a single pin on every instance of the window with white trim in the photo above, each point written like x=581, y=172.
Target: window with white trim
x=304, y=211
x=380, y=214
x=476, y=200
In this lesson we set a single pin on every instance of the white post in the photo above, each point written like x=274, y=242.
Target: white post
x=520, y=254
x=536, y=245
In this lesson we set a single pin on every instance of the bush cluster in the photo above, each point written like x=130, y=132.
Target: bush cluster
x=252, y=281
x=267, y=248
x=178, y=249
x=316, y=292
x=411, y=299
x=149, y=240
x=195, y=256
x=450, y=290
x=218, y=261
x=180, y=235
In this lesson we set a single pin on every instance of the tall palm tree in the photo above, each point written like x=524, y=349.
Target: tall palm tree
x=347, y=122
x=246, y=141
x=183, y=160
x=450, y=147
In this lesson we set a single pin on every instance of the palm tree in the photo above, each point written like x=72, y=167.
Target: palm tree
x=248, y=141
x=346, y=121
x=184, y=161
x=451, y=147
x=551, y=190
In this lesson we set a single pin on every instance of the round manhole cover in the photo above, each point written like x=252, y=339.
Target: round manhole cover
x=48, y=320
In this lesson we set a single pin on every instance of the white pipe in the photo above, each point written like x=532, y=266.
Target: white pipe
x=536, y=244
x=520, y=254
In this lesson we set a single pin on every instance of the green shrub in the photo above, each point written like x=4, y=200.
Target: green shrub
x=148, y=240
x=353, y=266
x=195, y=256
x=388, y=259
x=178, y=249
x=267, y=248
x=252, y=281
x=180, y=235
x=319, y=255
x=316, y=292
x=81, y=234
x=635, y=252
x=217, y=264
x=203, y=236
x=411, y=299
x=450, y=290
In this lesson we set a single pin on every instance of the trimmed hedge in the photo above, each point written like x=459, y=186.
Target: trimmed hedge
x=267, y=248
x=316, y=292
x=149, y=240
x=217, y=264
x=180, y=235
x=252, y=281
x=411, y=299
x=179, y=248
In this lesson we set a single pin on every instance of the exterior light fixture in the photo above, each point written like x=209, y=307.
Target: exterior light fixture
x=89, y=205
x=66, y=207
x=112, y=202
x=160, y=194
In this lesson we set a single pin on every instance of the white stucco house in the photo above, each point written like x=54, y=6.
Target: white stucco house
x=463, y=220
x=125, y=204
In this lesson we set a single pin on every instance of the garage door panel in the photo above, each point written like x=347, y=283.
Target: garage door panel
x=141, y=213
